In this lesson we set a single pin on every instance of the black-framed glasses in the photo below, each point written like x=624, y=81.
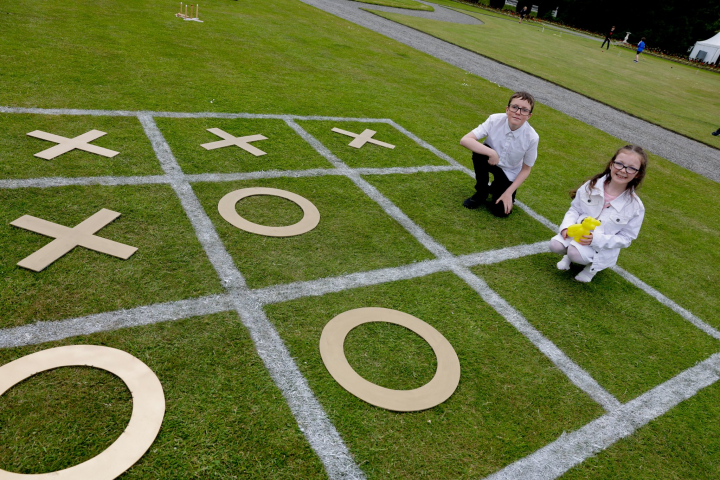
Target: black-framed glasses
x=515, y=108
x=629, y=170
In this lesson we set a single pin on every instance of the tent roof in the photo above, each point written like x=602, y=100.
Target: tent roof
x=714, y=41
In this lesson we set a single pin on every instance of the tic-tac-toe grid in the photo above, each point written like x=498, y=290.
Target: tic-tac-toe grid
x=550, y=461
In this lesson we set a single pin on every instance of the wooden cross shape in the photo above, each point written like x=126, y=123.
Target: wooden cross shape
x=363, y=138
x=242, y=142
x=68, y=238
x=80, y=142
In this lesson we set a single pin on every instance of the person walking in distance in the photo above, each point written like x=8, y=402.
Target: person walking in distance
x=640, y=48
x=608, y=37
x=523, y=13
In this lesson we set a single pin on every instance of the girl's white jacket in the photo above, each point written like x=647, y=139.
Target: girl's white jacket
x=620, y=225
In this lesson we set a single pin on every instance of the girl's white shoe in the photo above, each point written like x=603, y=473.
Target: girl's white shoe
x=564, y=264
x=585, y=275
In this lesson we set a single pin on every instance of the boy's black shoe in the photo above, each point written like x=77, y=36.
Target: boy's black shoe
x=472, y=203
x=716, y=132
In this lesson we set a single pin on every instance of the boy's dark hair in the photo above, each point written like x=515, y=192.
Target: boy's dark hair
x=642, y=39
x=523, y=96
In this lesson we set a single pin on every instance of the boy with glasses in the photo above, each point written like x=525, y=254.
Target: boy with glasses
x=508, y=153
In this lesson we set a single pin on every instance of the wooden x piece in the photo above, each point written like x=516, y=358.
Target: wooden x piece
x=68, y=238
x=242, y=142
x=363, y=138
x=64, y=145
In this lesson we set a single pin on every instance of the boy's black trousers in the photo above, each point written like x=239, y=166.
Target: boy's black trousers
x=500, y=183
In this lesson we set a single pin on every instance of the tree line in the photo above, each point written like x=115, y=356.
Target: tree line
x=669, y=25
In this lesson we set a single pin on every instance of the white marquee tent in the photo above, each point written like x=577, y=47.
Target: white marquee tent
x=707, y=51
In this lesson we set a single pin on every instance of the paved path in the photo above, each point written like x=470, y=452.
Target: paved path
x=442, y=14
x=680, y=150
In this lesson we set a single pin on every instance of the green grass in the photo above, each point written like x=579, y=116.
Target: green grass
x=434, y=201
x=510, y=401
x=284, y=57
x=224, y=417
x=168, y=265
x=187, y=134
x=679, y=445
x=624, y=338
x=409, y=4
x=406, y=153
x=124, y=135
x=353, y=235
x=578, y=63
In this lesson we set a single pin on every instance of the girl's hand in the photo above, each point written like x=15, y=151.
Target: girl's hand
x=586, y=239
x=564, y=234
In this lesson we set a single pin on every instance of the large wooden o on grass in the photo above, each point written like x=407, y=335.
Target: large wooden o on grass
x=147, y=413
x=436, y=391
x=310, y=219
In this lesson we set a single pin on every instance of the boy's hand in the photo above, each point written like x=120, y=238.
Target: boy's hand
x=564, y=233
x=493, y=158
x=507, y=200
x=586, y=239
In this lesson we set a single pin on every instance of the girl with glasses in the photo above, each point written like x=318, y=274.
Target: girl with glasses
x=609, y=197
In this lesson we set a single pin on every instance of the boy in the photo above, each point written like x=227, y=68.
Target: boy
x=509, y=152
x=641, y=47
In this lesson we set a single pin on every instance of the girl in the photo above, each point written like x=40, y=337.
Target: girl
x=609, y=197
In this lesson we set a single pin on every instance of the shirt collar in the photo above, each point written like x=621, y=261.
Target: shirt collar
x=506, y=128
x=619, y=202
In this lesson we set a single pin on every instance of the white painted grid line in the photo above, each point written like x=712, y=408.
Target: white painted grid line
x=48, y=331
x=571, y=449
x=554, y=457
x=576, y=374
x=320, y=433
x=49, y=182
x=41, y=332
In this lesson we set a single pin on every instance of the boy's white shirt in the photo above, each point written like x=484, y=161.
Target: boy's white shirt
x=513, y=147
x=620, y=225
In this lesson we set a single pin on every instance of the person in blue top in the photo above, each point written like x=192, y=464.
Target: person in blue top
x=641, y=47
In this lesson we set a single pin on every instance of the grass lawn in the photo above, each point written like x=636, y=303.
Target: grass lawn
x=124, y=135
x=185, y=135
x=225, y=417
x=409, y=4
x=510, y=399
x=342, y=243
x=168, y=265
x=578, y=63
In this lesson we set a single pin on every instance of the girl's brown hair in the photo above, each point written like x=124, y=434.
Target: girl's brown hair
x=633, y=184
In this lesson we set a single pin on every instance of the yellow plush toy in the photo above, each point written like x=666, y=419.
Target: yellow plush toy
x=578, y=230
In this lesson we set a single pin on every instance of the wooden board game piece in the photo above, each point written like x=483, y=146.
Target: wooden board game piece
x=68, y=238
x=242, y=142
x=64, y=145
x=436, y=391
x=310, y=219
x=363, y=138
x=148, y=409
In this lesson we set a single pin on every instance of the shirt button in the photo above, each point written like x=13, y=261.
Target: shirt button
x=617, y=219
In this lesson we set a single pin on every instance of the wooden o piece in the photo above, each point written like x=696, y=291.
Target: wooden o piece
x=310, y=220
x=145, y=421
x=436, y=391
